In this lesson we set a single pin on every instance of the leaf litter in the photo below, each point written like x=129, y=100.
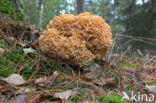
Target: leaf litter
x=14, y=79
x=47, y=81
x=57, y=86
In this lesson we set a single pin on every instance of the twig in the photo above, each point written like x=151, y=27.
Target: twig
x=112, y=48
x=137, y=37
x=149, y=60
x=92, y=85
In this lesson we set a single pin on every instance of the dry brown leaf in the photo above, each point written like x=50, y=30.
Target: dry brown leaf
x=41, y=80
x=65, y=95
x=18, y=99
x=14, y=79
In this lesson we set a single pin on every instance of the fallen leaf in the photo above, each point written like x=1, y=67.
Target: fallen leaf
x=24, y=90
x=152, y=88
x=14, y=79
x=65, y=95
x=41, y=80
x=55, y=74
x=18, y=99
x=29, y=50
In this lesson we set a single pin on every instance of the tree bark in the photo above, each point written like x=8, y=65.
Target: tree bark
x=41, y=8
x=80, y=6
x=17, y=3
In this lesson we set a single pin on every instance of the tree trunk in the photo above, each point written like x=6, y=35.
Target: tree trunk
x=80, y=6
x=17, y=3
x=41, y=8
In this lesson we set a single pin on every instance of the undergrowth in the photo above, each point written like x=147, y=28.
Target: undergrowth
x=36, y=65
x=8, y=9
x=16, y=61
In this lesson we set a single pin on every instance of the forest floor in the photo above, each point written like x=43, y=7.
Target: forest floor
x=28, y=76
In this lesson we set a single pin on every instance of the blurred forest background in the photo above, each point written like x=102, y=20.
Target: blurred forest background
x=133, y=22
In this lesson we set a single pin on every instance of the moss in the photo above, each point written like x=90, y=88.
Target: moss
x=6, y=73
x=2, y=43
x=17, y=56
x=8, y=9
x=111, y=99
x=13, y=61
x=10, y=59
x=76, y=99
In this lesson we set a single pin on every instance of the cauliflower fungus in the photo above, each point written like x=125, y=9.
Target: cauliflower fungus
x=78, y=40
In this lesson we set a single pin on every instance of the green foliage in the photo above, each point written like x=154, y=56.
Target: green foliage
x=105, y=9
x=9, y=61
x=124, y=16
x=5, y=66
x=76, y=99
x=7, y=8
x=128, y=17
x=52, y=8
x=12, y=61
x=150, y=82
x=16, y=56
x=111, y=99
x=2, y=43
x=138, y=20
x=129, y=66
